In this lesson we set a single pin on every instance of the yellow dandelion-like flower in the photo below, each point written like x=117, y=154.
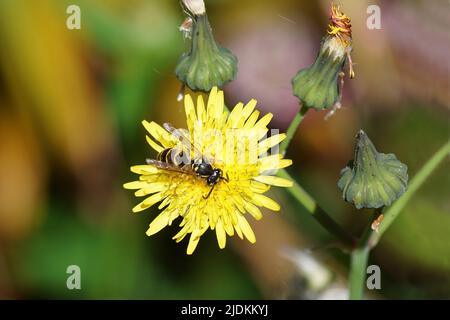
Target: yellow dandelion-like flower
x=235, y=145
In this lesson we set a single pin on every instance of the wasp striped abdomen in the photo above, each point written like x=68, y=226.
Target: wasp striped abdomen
x=173, y=156
x=178, y=159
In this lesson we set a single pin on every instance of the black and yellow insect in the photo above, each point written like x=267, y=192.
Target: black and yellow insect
x=178, y=160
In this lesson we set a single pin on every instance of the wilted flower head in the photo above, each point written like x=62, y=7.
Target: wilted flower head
x=340, y=25
x=235, y=145
x=317, y=86
x=373, y=179
x=207, y=64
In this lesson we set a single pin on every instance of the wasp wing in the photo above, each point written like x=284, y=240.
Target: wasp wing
x=170, y=167
x=184, y=139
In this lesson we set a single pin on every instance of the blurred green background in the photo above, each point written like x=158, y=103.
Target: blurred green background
x=71, y=103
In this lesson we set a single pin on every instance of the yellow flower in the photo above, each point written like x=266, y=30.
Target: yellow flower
x=235, y=143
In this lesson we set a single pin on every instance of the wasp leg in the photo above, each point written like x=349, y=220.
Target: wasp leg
x=209, y=193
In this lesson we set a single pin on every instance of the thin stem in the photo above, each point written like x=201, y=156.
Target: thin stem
x=357, y=277
x=303, y=197
x=392, y=213
x=293, y=129
x=358, y=261
x=317, y=212
x=370, y=237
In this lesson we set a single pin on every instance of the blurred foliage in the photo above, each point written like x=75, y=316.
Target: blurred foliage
x=71, y=102
x=114, y=260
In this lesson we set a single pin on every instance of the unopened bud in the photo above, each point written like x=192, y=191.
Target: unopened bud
x=372, y=179
x=207, y=64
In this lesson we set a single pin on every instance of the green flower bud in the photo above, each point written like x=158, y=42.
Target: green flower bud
x=372, y=179
x=207, y=64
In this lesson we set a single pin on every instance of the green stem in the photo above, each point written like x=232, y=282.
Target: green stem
x=392, y=213
x=370, y=237
x=303, y=197
x=358, y=261
x=357, y=277
x=293, y=129
x=317, y=212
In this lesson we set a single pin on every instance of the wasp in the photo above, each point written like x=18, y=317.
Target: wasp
x=178, y=160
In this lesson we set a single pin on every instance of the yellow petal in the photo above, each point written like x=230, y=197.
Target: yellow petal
x=154, y=145
x=190, y=111
x=264, y=201
x=238, y=203
x=284, y=163
x=218, y=107
x=180, y=235
x=270, y=142
x=252, y=120
x=230, y=210
x=245, y=113
x=275, y=161
x=150, y=188
x=233, y=216
x=211, y=212
x=223, y=119
x=144, y=169
x=135, y=185
x=253, y=210
x=165, y=202
x=229, y=228
x=264, y=121
x=194, y=239
x=235, y=115
x=238, y=231
x=220, y=233
x=274, y=181
x=248, y=109
x=157, y=197
x=258, y=187
x=193, y=242
x=140, y=207
x=160, y=134
x=158, y=223
x=201, y=111
x=210, y=107
x=173, y=215
x=246, y=229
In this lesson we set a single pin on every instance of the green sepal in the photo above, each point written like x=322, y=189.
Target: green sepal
x=207, y=64
x=372, y=179
x=317, y=86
